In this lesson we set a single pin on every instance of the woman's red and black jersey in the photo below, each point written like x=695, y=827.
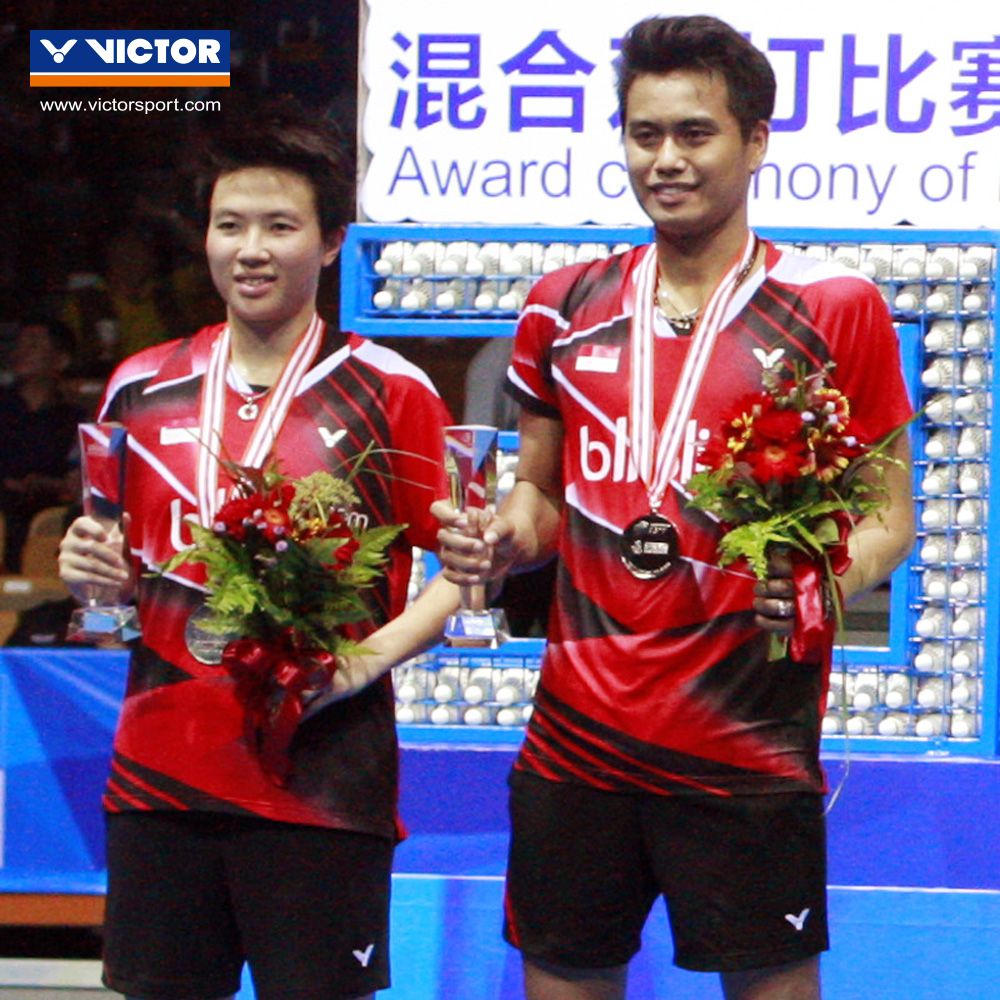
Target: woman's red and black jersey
x=180, y=742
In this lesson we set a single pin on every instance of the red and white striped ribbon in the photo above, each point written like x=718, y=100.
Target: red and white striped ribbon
x=655, y=453
x=213, y=411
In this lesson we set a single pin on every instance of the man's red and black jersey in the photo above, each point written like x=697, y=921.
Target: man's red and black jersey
x=664, y=684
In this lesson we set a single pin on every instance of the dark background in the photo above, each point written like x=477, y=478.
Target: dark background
x=71, y=179
x=75, y=182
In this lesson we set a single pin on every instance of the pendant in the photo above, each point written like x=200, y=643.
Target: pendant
x=249, y=410
x=683, y=325
x=649, y=546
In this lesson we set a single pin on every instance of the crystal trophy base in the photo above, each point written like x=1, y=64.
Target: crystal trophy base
x=477, y=629
x=104, y=623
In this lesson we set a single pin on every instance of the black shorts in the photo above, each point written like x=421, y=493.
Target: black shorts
x=193, y=895
x=744, y=877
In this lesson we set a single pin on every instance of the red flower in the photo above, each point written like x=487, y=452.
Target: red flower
x=778, y=461
x=781, y=426
x=234, y=515
x=282, y=495
x=835, y=454
x=742, y=417
x=833, y=410
x=749, y=406
x=274, y=523
x=716, y=454
x=336, y=526
x=344, y=553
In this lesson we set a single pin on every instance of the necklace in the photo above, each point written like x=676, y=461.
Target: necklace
x=250, y=409
x=684, y=321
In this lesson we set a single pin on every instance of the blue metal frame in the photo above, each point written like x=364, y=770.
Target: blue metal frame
x=359, y=280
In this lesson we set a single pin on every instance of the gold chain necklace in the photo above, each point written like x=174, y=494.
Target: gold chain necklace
x=684, y=322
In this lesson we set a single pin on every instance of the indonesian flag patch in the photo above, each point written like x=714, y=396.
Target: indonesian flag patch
x=598, y=358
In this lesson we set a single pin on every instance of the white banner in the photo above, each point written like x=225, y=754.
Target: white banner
x=506, y=112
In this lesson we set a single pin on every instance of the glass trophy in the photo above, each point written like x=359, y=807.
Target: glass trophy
x=470, y=461
x=102, y=619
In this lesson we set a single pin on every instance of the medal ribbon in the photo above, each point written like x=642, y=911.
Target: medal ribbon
x=654, y=454
x=213, y=410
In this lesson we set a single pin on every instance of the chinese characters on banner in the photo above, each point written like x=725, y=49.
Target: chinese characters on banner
x=506, y=113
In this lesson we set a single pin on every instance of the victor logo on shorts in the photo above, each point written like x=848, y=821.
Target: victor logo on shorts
x=799, y=921
x=364, y=957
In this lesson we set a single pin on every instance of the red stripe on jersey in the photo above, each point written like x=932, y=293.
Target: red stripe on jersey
x=513, y=931
x=550, y=749
x=527, y=760
x=785, y=333
x=556, y=756
x=375, y=431
x=123, y=772
x=552, y=719
x=551, y=722
x=115, y=791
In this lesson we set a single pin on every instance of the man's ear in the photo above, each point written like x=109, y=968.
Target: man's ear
x=757, y=144
x=333, y=243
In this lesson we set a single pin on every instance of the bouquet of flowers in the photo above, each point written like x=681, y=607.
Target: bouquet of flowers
x=783, y=473
x=285, y=569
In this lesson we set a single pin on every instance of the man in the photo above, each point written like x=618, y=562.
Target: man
x=39, y=424
x=209, y=861
x=666, y=755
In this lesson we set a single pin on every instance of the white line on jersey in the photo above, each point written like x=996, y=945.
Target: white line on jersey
x=166, y=474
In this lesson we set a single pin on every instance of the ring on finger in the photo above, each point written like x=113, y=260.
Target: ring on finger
x=786, y=609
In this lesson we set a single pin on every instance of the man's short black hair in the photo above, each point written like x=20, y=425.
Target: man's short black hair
x=662, y=44
x=281, y=134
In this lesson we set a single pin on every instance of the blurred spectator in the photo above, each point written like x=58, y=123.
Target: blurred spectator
x=72, y=178
x=308, y=49
x=138, y=301
x=46, y=624
x=39, y=428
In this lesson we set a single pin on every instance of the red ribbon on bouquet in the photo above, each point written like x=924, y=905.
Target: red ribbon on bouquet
x=271, y=676
x=812, y=637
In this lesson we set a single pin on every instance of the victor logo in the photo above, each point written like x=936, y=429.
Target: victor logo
x=364, y=955
x=164, y=51
x=88, y=58
x=331, y=438
x=58, y=52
